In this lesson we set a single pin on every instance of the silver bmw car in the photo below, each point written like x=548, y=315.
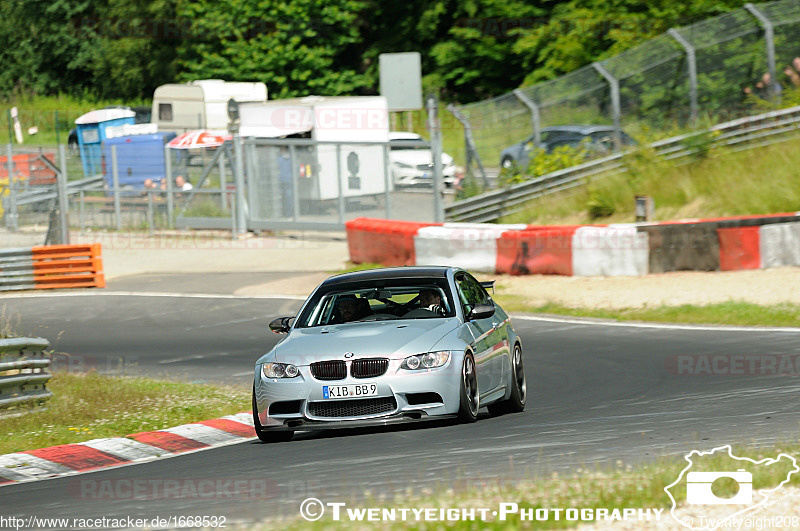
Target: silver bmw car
x=389, y=345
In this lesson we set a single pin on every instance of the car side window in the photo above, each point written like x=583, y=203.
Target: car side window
x=471, y=292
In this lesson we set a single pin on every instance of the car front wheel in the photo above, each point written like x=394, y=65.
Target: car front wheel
x=468, y=406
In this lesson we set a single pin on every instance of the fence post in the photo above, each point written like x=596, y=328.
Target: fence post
x=469, y=143
x=115, y=182
x=295, y=173
x=339, y=182
x=63, y=199
x=769, y=37
x=240, y=226
x=691, y=62
x=11, y=215
x=615, y=107
x=387, y=181
x=170, y=197
x=432, y=104
x=535, y=119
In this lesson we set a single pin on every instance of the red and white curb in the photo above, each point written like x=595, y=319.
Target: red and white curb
x=68, y=459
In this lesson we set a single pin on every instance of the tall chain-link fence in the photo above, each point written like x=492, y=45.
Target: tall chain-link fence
x=711, y=71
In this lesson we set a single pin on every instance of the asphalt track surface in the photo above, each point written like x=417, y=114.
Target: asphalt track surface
x=597, y=394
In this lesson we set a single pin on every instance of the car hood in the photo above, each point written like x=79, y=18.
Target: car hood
x=395, y=339
x=415, y=157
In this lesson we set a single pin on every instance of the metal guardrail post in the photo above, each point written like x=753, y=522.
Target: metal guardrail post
x=170, y=197
x=691, y=62
x=115, y=183
x=769, y=37
x=63, y=198
x=535, y=118
x=615, y=106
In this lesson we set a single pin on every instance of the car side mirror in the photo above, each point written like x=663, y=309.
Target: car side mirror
x=481, y=311
x=280, y=325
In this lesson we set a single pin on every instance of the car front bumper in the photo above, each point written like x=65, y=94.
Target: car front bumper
x=402, y=396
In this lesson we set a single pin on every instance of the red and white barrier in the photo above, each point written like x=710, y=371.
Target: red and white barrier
x=471, y=245
x=726, y=244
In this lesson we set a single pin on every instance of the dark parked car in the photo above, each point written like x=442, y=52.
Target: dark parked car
x=599, y=139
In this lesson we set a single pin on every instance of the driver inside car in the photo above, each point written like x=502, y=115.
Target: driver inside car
x=352, y=309
x=430, y=299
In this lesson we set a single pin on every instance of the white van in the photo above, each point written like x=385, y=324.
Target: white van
x=201, y=104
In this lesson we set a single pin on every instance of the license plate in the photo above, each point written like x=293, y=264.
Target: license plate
x=349, y=391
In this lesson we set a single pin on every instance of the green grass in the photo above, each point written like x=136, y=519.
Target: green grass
x=736, y=313
x=40, y=111
x=90, y=406
x=616, y=486
x=719, y=183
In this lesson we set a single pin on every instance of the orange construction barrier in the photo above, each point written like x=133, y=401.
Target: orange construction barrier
x=68, y=266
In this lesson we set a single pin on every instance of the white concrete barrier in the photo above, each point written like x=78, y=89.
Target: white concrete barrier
x=611, y=251
x=779, y=245
x=471, y=246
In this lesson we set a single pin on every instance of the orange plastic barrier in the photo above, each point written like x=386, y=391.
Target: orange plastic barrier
x=536, y=251
x=68, y=266
x=387, y=242
x=739, y=248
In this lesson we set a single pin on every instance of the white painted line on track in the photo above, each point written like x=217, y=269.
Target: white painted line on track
x=663, y=326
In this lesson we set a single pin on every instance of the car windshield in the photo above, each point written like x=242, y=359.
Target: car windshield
x=408, y=141
x=389, y=301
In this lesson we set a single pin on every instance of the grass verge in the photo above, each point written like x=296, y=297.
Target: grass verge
x=736, y=313
x=616, y=486
x=716, y=182
x=90, y=406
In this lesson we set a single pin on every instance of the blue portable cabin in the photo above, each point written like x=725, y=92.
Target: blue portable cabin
x=139, y=157
x=91, y=129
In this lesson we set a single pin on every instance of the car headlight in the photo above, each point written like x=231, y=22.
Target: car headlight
x=429, y=360
x=402, y=165
x=279, y=370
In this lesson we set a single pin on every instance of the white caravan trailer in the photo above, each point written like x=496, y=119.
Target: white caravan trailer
x=347, y=119
x=201, y=104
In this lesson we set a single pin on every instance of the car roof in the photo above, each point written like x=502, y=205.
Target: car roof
x=390, y=273
x=404, y=135
x=583, y=129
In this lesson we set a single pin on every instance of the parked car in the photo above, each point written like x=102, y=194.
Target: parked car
x=599, y=140
x=413, y=166
x=387, y=346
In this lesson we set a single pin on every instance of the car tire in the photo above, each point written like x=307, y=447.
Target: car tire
x=519, y=388
x=268, y=436
x=507, y=163
x=469, y=397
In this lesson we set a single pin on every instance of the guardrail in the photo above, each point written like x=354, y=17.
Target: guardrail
x=52, y=266
x=23, y=372
x=744, y=133
x=49, y=193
